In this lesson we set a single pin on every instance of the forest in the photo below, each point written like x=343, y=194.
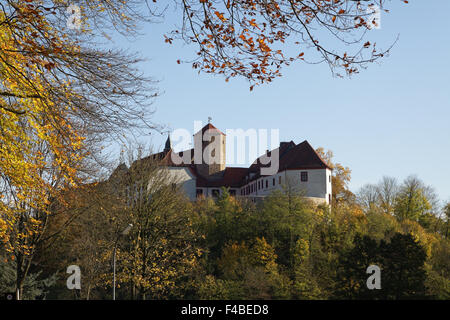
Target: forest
x=284, y=247
x=67, y=91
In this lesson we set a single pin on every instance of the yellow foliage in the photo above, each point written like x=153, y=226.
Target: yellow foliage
x=37, y=140
x=420, y=235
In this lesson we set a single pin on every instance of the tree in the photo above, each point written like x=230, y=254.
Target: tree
x=35, y=286
x=403, y=264
x=381, y=225
x=162, y=250
x=247, y=37
x=411, y=202
x=305, y=284
x=447, y=218
x=59, y=96
x=438, y=271
x=401, y=261
x=26, y=211
x=368, y=197
x=340, y=179
x=351, y=276
x=285, y=217
x=81, y=231
x=231, y=222
x=255, y=268
x=387, y=193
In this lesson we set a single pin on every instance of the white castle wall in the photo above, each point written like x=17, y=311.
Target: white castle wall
x=318, y=185
x=184, y=177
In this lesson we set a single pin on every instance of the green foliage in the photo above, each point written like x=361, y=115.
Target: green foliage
x=438, y=271
x=305, y=285
x=212, y=288
x=411, y=201
x=402, y=269
x=255, y=268
x=284, y=247
x=288, y=248
x=381, y=225
x=34, y=287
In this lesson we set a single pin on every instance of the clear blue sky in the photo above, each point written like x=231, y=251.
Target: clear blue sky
x=391, y=119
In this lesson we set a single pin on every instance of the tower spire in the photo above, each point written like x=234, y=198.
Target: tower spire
x=168, y=145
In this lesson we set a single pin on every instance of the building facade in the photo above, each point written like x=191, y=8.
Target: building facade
x=203, y=174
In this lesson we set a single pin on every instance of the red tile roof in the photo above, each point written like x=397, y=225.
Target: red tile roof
x=209, y=126
x=230, y=177
x=292, y=156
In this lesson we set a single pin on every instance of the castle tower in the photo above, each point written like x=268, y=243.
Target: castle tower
x=209, y=150
x=168, y=145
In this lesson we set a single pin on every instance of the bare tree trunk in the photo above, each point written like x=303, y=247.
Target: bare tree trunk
x=18, y=278
x=88, y=291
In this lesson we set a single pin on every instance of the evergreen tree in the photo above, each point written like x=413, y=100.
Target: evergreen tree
x=402, y=269
x=34, y=286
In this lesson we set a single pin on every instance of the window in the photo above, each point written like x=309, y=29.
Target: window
x=273, y=181
x=199, y=193
x=304, y=176
x=329, y=178
x=267, y=183
x=215, y=192
x=232, y=192
x=279, y=180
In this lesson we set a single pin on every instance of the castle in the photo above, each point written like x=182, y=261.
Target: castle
x=298, y=166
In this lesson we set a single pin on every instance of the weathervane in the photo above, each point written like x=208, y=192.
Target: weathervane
x=209, y=119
